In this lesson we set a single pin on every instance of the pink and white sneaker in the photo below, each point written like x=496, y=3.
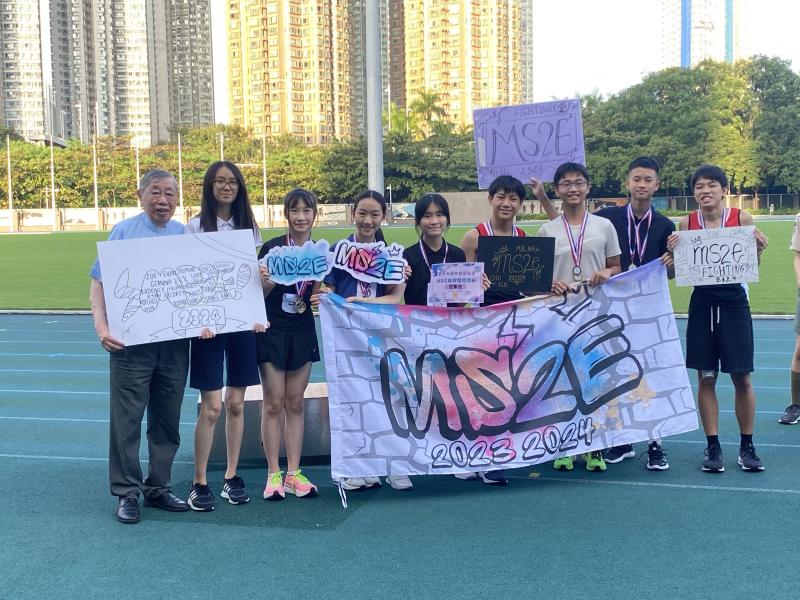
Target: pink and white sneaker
x=299, y=485
x=274, y=488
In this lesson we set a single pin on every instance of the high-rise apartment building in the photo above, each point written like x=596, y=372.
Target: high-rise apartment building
x=25, y=75
x=392, y=59
x=526, y=49
x=290, y=69
x=190, y=69
x=695, y=30
x=466, y=51
x=137, y=68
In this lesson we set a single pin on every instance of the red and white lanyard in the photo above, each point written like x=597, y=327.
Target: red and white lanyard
x=576, y=246
x=636, y=245
x=490, y=231
x=702, y=221
x=301, y=286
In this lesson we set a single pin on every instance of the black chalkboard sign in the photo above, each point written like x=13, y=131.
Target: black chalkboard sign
x=518, y=264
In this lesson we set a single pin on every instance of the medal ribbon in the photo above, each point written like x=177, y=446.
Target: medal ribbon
x=425, y=256
x=636, y=246
x=488, y=226
x=302, y=286
x=576, y=247
x=702, y=221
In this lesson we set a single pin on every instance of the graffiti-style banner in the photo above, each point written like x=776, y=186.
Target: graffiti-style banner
x=373, y=263
x=292, y=264
x=417, y=390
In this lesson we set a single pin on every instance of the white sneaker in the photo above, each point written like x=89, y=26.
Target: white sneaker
x=350, y=484
x=400, y=482
x=372, y=482
x=465, y=476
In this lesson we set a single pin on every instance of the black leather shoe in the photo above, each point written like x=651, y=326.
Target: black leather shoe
x=128, y=510
x=167, y=501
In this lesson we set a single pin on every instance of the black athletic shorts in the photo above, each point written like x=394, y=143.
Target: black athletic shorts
x=236, y=350
x=719, y=338
x=287, y=350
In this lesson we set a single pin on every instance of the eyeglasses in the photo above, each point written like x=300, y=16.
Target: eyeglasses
x=579, y=184
x=221, y=183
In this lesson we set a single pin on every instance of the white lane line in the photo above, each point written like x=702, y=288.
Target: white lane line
x=50, y=371
x=186, y=393
x=53, y=355
x=81, y=393
x=757, y=443
x=72, y=420
x=79, y=458
x=679, y=486
x=48, y=342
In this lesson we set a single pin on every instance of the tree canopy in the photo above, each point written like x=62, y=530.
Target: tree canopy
x=744, y=117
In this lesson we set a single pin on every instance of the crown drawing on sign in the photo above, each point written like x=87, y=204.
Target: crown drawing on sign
x=394, y=251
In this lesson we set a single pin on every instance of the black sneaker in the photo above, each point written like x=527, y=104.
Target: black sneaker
x=200, y=498
x=494, y=477
x=791, y=415
x=618, y=453
x=748, y=459
x=233, y=491
x=713, y=461
x=656, y=457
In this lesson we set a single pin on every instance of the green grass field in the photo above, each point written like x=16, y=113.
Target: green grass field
x=50, y=270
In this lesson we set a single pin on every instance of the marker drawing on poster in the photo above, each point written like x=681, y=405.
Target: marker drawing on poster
x=716, y=256
x=173, y=287
x=292, y=264
x=373, y=262
x=528, y=140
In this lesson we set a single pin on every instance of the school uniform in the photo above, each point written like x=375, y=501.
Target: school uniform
x=235, y=351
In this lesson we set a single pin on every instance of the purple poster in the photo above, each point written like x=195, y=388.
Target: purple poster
x=527, y=140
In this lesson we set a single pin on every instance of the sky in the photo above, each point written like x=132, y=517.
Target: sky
x=590, y=45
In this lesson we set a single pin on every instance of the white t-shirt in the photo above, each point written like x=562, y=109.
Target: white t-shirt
x=795, y=243
x=599, y=242
x=193, y=226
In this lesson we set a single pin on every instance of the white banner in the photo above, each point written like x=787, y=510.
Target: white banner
x=416, y=390
x=716, y=256
x=172, y=287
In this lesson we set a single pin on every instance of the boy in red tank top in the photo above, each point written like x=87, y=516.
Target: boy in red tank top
x=719, y=334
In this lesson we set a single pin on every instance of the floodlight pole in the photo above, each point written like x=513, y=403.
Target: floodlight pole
x=374, y=93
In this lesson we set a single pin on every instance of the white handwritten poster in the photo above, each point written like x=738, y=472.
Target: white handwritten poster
x=716, y=256
x=418, y=390
x=172, y=287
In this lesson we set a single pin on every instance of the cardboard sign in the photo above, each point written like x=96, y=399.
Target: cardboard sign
x=527, y=140
x=371, y=263
x=716, y=256
x=518, y=264
x=292, y=264
x=166, y=288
